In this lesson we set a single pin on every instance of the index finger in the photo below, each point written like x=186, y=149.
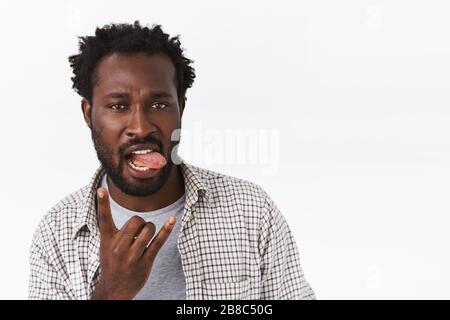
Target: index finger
x=105, y=221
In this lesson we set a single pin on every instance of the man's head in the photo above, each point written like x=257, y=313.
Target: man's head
x=133, y=82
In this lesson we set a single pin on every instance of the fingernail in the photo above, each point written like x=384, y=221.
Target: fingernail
x=172, y=220
x=100, y=193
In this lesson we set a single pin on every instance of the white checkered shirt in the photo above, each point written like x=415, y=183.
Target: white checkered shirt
x=234, y=243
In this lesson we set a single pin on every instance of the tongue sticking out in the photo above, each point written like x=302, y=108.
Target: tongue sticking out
x=152, y=160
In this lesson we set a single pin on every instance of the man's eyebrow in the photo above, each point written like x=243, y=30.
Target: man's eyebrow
x=117, y=95
x=124, y=95
x=160, y=94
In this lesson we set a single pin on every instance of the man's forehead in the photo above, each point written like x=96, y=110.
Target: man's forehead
x=126, y=92
x=124, y=70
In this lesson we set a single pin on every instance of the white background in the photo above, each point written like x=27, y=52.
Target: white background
x=358, y=91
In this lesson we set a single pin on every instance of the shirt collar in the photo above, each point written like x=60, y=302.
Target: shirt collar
x=196, y=185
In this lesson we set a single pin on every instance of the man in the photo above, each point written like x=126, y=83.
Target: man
x=149, y=225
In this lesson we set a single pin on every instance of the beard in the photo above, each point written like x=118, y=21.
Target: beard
x=136, y=187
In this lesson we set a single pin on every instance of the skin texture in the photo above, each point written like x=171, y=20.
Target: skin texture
x=126, y=111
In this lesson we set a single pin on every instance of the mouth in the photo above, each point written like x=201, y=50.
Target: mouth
x=143, y=161
x=136, y=166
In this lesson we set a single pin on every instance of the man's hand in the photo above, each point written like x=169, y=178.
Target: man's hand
x=125, y=258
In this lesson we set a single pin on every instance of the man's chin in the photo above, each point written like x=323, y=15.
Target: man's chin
x=139, y=187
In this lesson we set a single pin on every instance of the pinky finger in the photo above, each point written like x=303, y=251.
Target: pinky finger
x=159, y=240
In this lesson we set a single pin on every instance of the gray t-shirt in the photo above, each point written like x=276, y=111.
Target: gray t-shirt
x=166, y=280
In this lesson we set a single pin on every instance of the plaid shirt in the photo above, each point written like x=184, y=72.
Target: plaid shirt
x=233, y=241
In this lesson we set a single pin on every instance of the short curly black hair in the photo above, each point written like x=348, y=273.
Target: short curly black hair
x=128, y=38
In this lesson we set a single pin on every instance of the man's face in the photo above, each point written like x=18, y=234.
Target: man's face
x=134, y=103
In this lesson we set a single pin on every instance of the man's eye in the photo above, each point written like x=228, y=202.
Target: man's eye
x=117, y=106
x=159, y=105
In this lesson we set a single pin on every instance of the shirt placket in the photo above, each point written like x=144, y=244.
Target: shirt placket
x=190, y=259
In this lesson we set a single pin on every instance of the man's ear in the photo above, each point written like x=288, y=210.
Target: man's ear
x=86, y=109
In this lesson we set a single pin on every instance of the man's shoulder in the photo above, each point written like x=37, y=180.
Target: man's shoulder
x=72, y=201
x=217, y=180
x=225, y=187
x=61, y=217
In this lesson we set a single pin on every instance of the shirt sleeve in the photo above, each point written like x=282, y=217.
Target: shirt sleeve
x=44, y=283
x=281, y=273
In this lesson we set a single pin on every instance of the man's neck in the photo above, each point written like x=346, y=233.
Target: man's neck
x=172, y=190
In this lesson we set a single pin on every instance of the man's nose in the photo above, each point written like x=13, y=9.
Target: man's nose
x=140, y=124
